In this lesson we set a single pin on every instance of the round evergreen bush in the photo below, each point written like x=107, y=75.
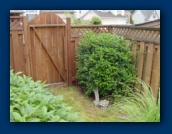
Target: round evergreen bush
x=104, y=62
x=95, y=21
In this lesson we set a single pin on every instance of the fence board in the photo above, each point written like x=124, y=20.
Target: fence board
x=69, y=47
x=11, y=53
x=155, y=79
x=140, y=59
x=134, y=50
x=25, y=39
x=18, y=51
x=148, y=64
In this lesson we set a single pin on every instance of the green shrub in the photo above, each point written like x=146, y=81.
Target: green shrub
x=104, y=61
x=95, y=21
x=31, y=102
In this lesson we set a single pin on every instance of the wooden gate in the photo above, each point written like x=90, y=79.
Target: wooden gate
x=48, y=49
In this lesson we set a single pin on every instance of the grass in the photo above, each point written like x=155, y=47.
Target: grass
x=73, y=97
x=139, y=107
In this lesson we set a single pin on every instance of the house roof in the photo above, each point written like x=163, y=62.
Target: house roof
x=153, y=23
x=103, y=14
x=16, y=11
x=147, y=13
x=58, y=11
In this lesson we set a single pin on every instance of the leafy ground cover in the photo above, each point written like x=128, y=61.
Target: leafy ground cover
x=31, y=102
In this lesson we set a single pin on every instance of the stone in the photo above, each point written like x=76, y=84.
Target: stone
x=104, y=104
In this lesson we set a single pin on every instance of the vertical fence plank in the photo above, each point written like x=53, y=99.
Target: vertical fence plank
x=15, y=51
x=27, y=64
x=134, y=48
x=21, y=53
x=68, y=26
x=11, y=52
x=29, y=51
x=148, y=64
x=155, y=79
x=140, y=60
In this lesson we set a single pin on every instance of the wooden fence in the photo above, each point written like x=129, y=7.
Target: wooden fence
x=45, y=48
x=17, y=43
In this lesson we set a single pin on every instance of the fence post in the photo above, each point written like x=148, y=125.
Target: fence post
x=68, y=26
x=110, y=29
x=27, y=63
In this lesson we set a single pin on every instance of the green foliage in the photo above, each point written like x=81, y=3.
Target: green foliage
x=140, y=107
x=104, y=61
x=95, y=21
x=76, y=21
x=132, y=11
x=31, y=102
x=131, y=20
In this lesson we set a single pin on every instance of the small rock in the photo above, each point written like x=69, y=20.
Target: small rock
x=104, y=104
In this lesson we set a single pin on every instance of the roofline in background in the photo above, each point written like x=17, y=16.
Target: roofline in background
x=85, y=14
x=114, y=17
x=16, y=11
x=146, y=22
x=101, y=17
x=60, y=11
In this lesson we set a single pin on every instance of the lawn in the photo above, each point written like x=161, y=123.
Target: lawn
x=137, y=108
x=75, y=98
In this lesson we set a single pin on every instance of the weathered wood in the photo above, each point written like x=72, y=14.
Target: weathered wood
x=16, y=29
x=48, y=48
x=17, y=52
x=134, y=50
x=11, y=53
x=148, y=64
x=155, y=79
x=48, y=52
x=140, y=59
x=69, y=46
x=26, y=56
x=130, y=32
x=48, y=25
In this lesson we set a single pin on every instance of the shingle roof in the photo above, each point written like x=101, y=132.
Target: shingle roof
x=58, y=11
x=147, y=13
x=16, y=11
x=101, y=14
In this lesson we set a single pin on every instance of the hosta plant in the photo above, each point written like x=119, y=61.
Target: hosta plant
x=104, y=62
x=31, y=102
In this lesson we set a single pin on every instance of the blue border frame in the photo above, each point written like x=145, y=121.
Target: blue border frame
x=166, y=91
